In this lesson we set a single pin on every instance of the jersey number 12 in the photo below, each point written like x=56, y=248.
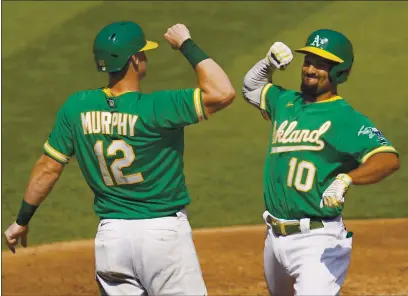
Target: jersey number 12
x=296, y=172
x=118, y=164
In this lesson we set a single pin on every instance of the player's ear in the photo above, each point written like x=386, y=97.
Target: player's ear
x=134, y=62
x=134, y=59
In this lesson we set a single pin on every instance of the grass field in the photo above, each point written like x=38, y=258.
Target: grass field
x=47, y=55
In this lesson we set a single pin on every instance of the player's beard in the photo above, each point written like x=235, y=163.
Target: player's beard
x=310, y=91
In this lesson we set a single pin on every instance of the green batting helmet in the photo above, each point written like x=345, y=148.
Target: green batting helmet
x=116, y=43
x=333, y=46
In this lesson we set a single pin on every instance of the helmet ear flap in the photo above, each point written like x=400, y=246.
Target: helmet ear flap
x=340, y=73
x=339, y=77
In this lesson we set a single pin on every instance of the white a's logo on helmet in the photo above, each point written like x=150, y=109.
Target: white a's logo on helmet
x=317, y=42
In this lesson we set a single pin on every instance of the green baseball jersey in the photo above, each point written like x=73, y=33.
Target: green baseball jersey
x=310, y=144
x=129, y=148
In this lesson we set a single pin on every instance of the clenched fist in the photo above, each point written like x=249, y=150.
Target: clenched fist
x=14, y=233
x=279, y=55
x=333, y=196
x=176, y=35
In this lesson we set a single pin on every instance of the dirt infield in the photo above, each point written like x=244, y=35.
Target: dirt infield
x=231, y=259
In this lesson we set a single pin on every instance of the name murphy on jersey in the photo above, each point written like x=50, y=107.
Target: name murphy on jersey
x=102, y=122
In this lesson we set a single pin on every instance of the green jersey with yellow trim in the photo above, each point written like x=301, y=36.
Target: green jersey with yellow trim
x=310, y=144
x=129, y=148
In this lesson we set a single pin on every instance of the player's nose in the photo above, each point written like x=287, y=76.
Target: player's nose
x=311, y=69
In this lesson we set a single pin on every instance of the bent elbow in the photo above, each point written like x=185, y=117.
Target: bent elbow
x=392, y=163
x=219, y=100
x=230, y=95
x=244, y=92
x=227, y=96
x=396, y=164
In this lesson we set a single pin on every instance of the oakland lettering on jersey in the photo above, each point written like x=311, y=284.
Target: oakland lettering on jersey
x=97, y=122
x=287, y=133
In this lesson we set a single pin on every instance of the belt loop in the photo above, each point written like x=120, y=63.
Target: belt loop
x=305, y=225
x=282, y=229
x=182, y=214
x=265, y=217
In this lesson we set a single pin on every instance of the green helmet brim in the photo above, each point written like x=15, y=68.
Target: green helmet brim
x=149, y=45
x=320, y=52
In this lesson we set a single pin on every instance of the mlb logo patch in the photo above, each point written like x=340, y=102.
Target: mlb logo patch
x=111, y=103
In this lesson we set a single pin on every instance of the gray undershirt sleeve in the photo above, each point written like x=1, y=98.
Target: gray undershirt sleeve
x=255, y=80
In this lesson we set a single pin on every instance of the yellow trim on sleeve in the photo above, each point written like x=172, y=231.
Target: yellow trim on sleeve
x=262, y=105
x=378, y=150
x=58, y=155
x=197, y=104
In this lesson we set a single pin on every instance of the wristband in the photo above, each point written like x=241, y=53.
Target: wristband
x=26, y=213
x=345, y=178
x=192, y=52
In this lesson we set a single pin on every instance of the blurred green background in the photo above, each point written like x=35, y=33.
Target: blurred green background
x=47, y=55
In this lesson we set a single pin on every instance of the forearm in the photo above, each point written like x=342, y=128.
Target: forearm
x=41, y=182
x=43, y=178
x=375, y=169
x=258, y=75
x=256, y=78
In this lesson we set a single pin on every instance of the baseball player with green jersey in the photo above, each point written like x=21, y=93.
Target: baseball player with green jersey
x=318, y=147
x=129, y=146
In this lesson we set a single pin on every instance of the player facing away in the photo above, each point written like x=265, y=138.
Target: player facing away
x=318, y=147
x=129, y=146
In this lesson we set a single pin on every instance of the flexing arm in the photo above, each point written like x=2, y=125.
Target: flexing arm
x=376, y=168
x=217, y=90
x=254, y=81
x=279, y=56
x=43, y=178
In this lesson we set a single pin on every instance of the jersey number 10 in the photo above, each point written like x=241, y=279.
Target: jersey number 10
x=300, y=169
x=118, y=164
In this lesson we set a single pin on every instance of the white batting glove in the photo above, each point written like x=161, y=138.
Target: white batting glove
x=279, y=55
x=333, y=196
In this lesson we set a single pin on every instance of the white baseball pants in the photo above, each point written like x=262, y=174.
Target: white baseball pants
x=147, y=257
x=313, y=262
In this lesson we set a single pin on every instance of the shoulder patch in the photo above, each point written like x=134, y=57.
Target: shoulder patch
x=372, y=132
